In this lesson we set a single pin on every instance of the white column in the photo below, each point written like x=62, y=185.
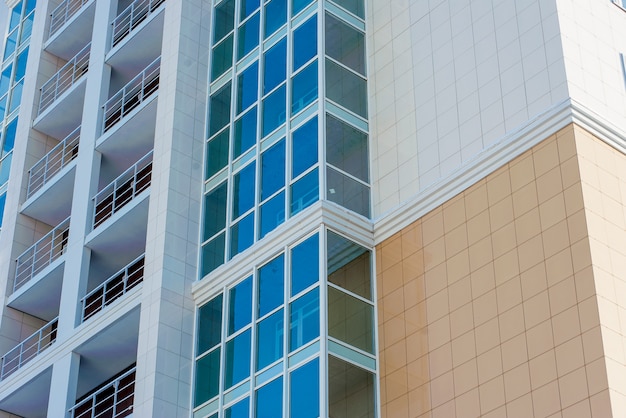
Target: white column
x=63, y=386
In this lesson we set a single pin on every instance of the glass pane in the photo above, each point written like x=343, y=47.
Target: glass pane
x=5, y=79
x=345, y=44
x=9, y=46
x=30, y=6
x=214, y=211
x=16, y=96
x=247, y=87
x=272, y=214
x=16, y=14
x=270, y=340
x=248, y=36
x=349, y=265
x=348, y=192
x=304, y=192
x=9, y=137
x=350, y=390
x=275, y=66
x=346, y=88
x=213, y=254
x=271, y=285
x=243, y=190
x=298, y=5
x=248, y=7
x=240, y=306
x=237, y=366
x=3, y=200
x=239, y=410
x=222, y=57
x=210, y=324
x=5, y=168
x=274, y=110
x=3, y=105
x=355, y=6
x=346, y=148
x=269, y=400
x=273, y=170
x=275, y=16
x=207, y=377
x=224, y=19
x=245, y=133
x=242, y=235
x=304, y=147
x=304, y=319
x=305, y=264
x=217, y=154
x=219, y=112
x=304, y=88
x=27, y=28
x=350, y=320
x=304, y=43
x=304, y=389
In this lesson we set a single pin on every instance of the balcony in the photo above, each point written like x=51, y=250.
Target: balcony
x=131, y=17
x=113, y=400
x=28, y=349
x=113, y=288
x=134, y=93
x=71, y=23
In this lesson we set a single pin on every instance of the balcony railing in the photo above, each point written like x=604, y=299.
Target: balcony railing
x=133, y=94
x=122, y=190
x=115, y=400
x=65, y=78
x=29, y=348
x=53, y=162
x=41, y=254
x=132, y=16
x=63, y=12
x=113, y=288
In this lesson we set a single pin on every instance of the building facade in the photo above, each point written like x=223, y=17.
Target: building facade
x=304, y=208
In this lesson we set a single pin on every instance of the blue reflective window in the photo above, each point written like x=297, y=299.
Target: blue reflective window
x=3, y=200
x=242, y=235
x=5, y=168
x=210, y=324
x=304, y=192
x=305, y=264
x=245, y=133
x=219, y=112
x=270, y=340
x=304, y=43
x=5, y=79
x=304, y=88
x=27, y=28
x=248, y=7
x=217, y=154
x=224, y=19
x=214, y=211
x=30, y=6
x=9, y=137
x=273, y=170
x=222, y=57
x=207, y=383
x=213, y=254
x=304, y=387
x=274, y=110
x=304, y=148
x=20, y=68
x=248, y=36
x=16, y=96
x=271, y=285
x=3, y=106
x=275, y=66
x=298, y=5
x=237, y=362
x=243, y=190
x=269, y=400
x=247, y=87
x=11, y=42
x=16, y=14
x=272, y=214
x=304, y=319
x=240, y=306
x=355, y=6
x=275, y=16
x=239, y=410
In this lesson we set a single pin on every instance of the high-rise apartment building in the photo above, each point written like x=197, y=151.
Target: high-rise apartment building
x=306, y=208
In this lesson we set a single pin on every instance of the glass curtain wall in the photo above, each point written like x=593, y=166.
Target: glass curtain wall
x=272, y=141
x=293, y=338
x=12, y=75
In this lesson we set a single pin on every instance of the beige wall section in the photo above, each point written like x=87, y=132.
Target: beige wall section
x=488, y=306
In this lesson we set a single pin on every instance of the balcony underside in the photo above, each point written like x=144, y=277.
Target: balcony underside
x=41, y=296
x=31, y=399
x=52, y=203
x=72, y=36
x=64, y=114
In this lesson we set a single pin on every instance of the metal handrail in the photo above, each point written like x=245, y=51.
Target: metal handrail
x=132, y=94
x=122, y=190
x=29, y=348
x=130, y=17
x=65, y=78
x=41, y=254
x=114, y=400
x=63, y=12
x=53, y=162
x=113, y=288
